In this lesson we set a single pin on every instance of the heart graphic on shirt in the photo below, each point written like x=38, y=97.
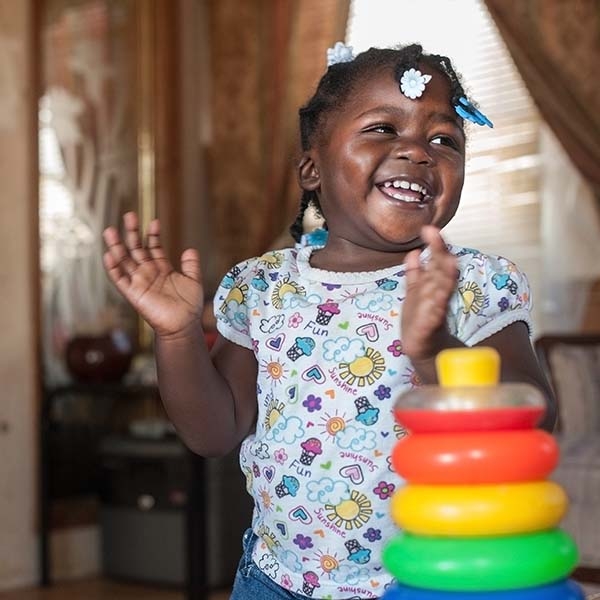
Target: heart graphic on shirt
x=353, y=473
x=377, y=452
x=330, y=393
x=292, y=393
x=276, y=342
x=326, y=465
x=374, y=583
x=369, y=331
x=392, y=372
x=269, y=473
x=256, y=312
x=319, y=532
x=343, y=325
x=314, y=373
x=393, y=313
x=282, y=527
x=300, y=514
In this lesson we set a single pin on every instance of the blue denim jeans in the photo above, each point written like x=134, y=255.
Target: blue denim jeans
x=252, y=584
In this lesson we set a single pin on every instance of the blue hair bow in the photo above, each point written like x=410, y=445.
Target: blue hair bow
x=467, y=111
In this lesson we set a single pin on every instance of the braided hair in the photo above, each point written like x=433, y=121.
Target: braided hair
x=337, y=83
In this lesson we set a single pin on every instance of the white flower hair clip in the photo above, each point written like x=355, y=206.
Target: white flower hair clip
x=413, y=82
x=340, y=53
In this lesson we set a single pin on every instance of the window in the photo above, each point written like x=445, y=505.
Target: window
x=500, y=206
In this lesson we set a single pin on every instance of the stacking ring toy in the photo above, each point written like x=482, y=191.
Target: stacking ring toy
x=561, y=590
x=489, y=419
x=481, y=564
x=465, y=510
x=476, y=457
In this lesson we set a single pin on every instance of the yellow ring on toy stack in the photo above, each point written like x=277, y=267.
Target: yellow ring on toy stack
x=479, y=510
x=468, y=366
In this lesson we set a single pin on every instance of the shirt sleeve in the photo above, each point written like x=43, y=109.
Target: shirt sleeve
x=492, y=293
x=231, y=304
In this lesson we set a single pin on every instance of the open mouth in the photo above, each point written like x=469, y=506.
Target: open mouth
x=404, y=190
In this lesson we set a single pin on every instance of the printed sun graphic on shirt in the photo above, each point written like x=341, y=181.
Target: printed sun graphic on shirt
x=236, y=294
x=271, y=260
x=472, y=296
x=273, y=412
x=327, y=562
x=333, y=424
x=284, y=287
x=351, y=513
x=274, y=370
x=364, y=370
x=266, y=499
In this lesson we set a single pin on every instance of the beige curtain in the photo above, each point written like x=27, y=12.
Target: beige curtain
x=556, y=47
x=266, y=58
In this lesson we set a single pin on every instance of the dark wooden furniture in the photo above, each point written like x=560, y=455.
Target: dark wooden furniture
x=195, y=509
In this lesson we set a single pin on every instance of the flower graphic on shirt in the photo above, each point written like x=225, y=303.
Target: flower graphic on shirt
x=395, y=348
x=503, y=304
x=295, y=320
x=286, y=582
x=383, y=392
x=312, y=403
x=303, y=541
x=364, y=370
x=351, y=513
x=372, y=534
x=384, y=489
x=280, y=456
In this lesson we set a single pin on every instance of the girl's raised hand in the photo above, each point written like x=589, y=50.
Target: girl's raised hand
x=428, y=290
x=170, y=301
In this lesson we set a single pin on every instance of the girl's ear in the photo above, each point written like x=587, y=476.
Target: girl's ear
x=308, y=174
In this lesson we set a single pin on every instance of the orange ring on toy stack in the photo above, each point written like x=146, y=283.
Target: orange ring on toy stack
x=476, y=457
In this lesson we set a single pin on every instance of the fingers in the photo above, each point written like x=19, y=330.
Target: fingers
x=190, y=264
x=153, y=240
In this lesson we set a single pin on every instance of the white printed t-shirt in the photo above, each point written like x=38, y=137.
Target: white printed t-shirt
x=330, y=366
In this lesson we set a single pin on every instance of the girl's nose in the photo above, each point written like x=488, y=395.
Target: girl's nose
x=413, y=151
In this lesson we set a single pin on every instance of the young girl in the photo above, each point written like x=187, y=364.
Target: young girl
x=317, y=342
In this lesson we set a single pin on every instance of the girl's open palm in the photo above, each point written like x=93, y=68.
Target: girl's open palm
x=170, y=301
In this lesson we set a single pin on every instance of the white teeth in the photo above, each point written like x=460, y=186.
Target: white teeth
x=405, y=185
x=405, y=198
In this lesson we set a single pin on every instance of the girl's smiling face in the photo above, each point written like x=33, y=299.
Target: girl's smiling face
x=384, y=165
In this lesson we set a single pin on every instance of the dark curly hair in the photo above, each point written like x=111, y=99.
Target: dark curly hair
x=339, y=80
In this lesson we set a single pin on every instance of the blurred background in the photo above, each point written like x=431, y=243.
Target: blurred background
x=187, y=110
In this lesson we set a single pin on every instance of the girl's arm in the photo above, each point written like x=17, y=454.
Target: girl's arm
x=211, y=400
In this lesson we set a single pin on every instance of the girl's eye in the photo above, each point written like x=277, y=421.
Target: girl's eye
x=382, y=128
x=445, y=140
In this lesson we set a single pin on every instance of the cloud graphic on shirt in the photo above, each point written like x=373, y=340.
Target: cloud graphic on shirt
x=355, y=438
x=343, y=349
x=286, y=430
x=272, y=324
x=268, y=565
x=236, y=316
x=289, y=559
x=378, y=302
x=349, y=574
x=327, y=491
x=260, y=451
